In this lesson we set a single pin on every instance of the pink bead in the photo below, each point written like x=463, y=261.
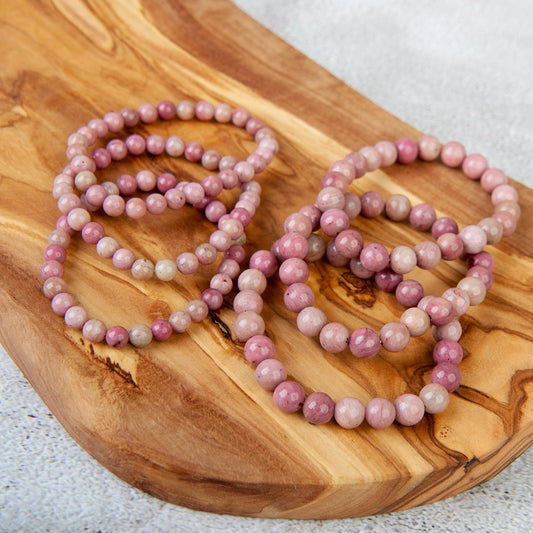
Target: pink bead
x=423, y=303
x=293, y=245
x=364, y=343
x=447, y=351
x=474, y=239
x=241, y=215
x=444, y=225
x=213, y=299
x=428, y=255
x=114, y=121
x=440, y=311
x=229, y=267
x=380, y=413
x=248, y=300
x=180, y=321
x=269, y=373
x=451, y=246
x=92, y=232
x=359, y=162
x=94, y=330
x=220, y=240
x=155, y=144
x=117, y=337
x=101, y=157
x=147, y=113
x=61, y=302
x=67, y=202
x=252, y=280
x=509, y=207
x=53, y=285
x=289, y=396
x=146, y=180
x=298, y=296
x=374, y=257
x=298, y=223
x=334, y=257
x=483, y=259
x=113, y=205
x=435, y=397
x=204, y=110
x=318, y=408
x=422, y=217
x=247, y=325
x=95, y=195
x=334, y=337
x=130, y=116
x=54, y=252
x=372, y=156
x=258, y=348
x=235, y=252
x=313, y=213
x=293, y=270
x=212, y=185
x=310, y=321
x=166, y=110
x=155, y=203
x=387, y=280
x=222, y=113
x=429, y=148
x=333, y=221
x=416, y=321
x=187, y=263
x=265, y=261
x=452, y=331
x=474, y=165
x=117, y=149
x=459, y=300
x=358, y=270
x=231, y=226
x=402, y=259
x=484, y=274
x=245, y=171
x=344, y=168
x=394, y=336
x=388, y=153
x=407, y=150
x=349, y=412
x=174, y=146
x=254, y=124
x=61, y=235
x=507, y=220
x=185, y=110
x=77, y=218
x=504, y=193
x=75, y=317
x=135, y=208
x=222, y=283
x=452, y=154
x=492, y=228
x=135, y=144
x=447, y=375
x=214, y=210
x=409, y=409
x=491, y=178
x=257, y=162
x=106, y=247
x=372, y=204
x=330, y=198
x=81, y=162
x=123, y=258
x=349, y=243
x=240, y=116
x=352, y=205
x=398, y=207
x=197, y=310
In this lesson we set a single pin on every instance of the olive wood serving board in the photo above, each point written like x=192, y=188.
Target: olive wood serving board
x=184, y=420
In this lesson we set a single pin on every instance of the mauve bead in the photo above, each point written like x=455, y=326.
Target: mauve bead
x=156, y=203
x=246, y=205
x=197, y=310
x=253, y=280
x=140, y=335
x=231, y=226
x=174, y=146
x=248, y=300
x=313, y=213
x=252, y=197
x=135, y=208
x=452, y=331
x=398, y=207
x=53, y=285
x=222, y=113
x=407, y=150
x=258, y=348
x=380, y=413
x=106, y=247
x=258, y=164
x=61, y=302
x=318, y=408
x=61, y=235
x=289, y=396
x=165, y=270
x=102, y=158
x=447, y=351
x=241, y=215
x=123, y=258
x=235, y=252
x=359, y=162
x=504, y=193
x=507, y=220
x=372, y=156
x=83, y=162
x=333, y=221
x=358, y=270
x=435, y=397
x=388, y=153
x=394, y=336
x=334, y=337
x=374, y=257
x=474, y=239
x=222, y=283
x=254, y=124
x=316, y=248
x=440, y=311
x=423, y=303
x=94, y=330
x=451, y=246
x=117, y=149
x=345, y=168
x=416, y=321
x=330, y=198
x=484, y=274
x=84, y=180
x=52, y=269
x=92, y=232
x=352, y=205
x=68, y=201
x=402, y=259
x=60, y=189
x=452, y=154
x=269, y=373
x=194, y=193
x=75, y=317
x=459, y=299
x=372, y=204
x=214, y=210
x=293, y=245
x=334, y=257
x=213, y=299
x=298, y=223
x=483, y=259
x=185, y=110
x=147, y=113
x=335, y=179
x=364, y=343
x=187, y=263
x=95, y=195
x=240, y=116
x=293, y=270
x=117, y=337
x=491, y=178
x=428, y=255
x=54, y=252
x=298, y=296
x=349, y=412
x=387, y=280
x=113, y=205
x=264, y=261
x=422, y=217
x=444, y=225
x=212, y=185
x=409, y=409
x=429, y=148
x=180, y=321
x=247, y=325
x=206, y=254
x=474, y=165
x=229, y=267
x=447, y=375
x=311, y=320
x=142, y=269
x=89, y=134
x=166, y=110
x=509, y=207
x=349, y=243
x=114, y=121
x=135, y=144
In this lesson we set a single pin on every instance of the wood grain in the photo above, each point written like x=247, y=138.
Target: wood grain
x=185, y=420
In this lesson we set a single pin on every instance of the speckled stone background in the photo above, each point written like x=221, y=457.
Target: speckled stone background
x=459, y=70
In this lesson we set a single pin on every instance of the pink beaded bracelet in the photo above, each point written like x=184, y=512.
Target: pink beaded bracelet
x=300, y=243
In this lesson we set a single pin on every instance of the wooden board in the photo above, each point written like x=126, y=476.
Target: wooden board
x=185, y=420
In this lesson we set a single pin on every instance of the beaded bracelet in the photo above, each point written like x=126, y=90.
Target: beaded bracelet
x=225, y=239
x=408, y=409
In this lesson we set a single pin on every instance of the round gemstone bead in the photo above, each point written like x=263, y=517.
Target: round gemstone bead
x=289, y=396
x=349, y=412
x=318, y=408
x=269, y=373
x=380, y=413
x=409, y=409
